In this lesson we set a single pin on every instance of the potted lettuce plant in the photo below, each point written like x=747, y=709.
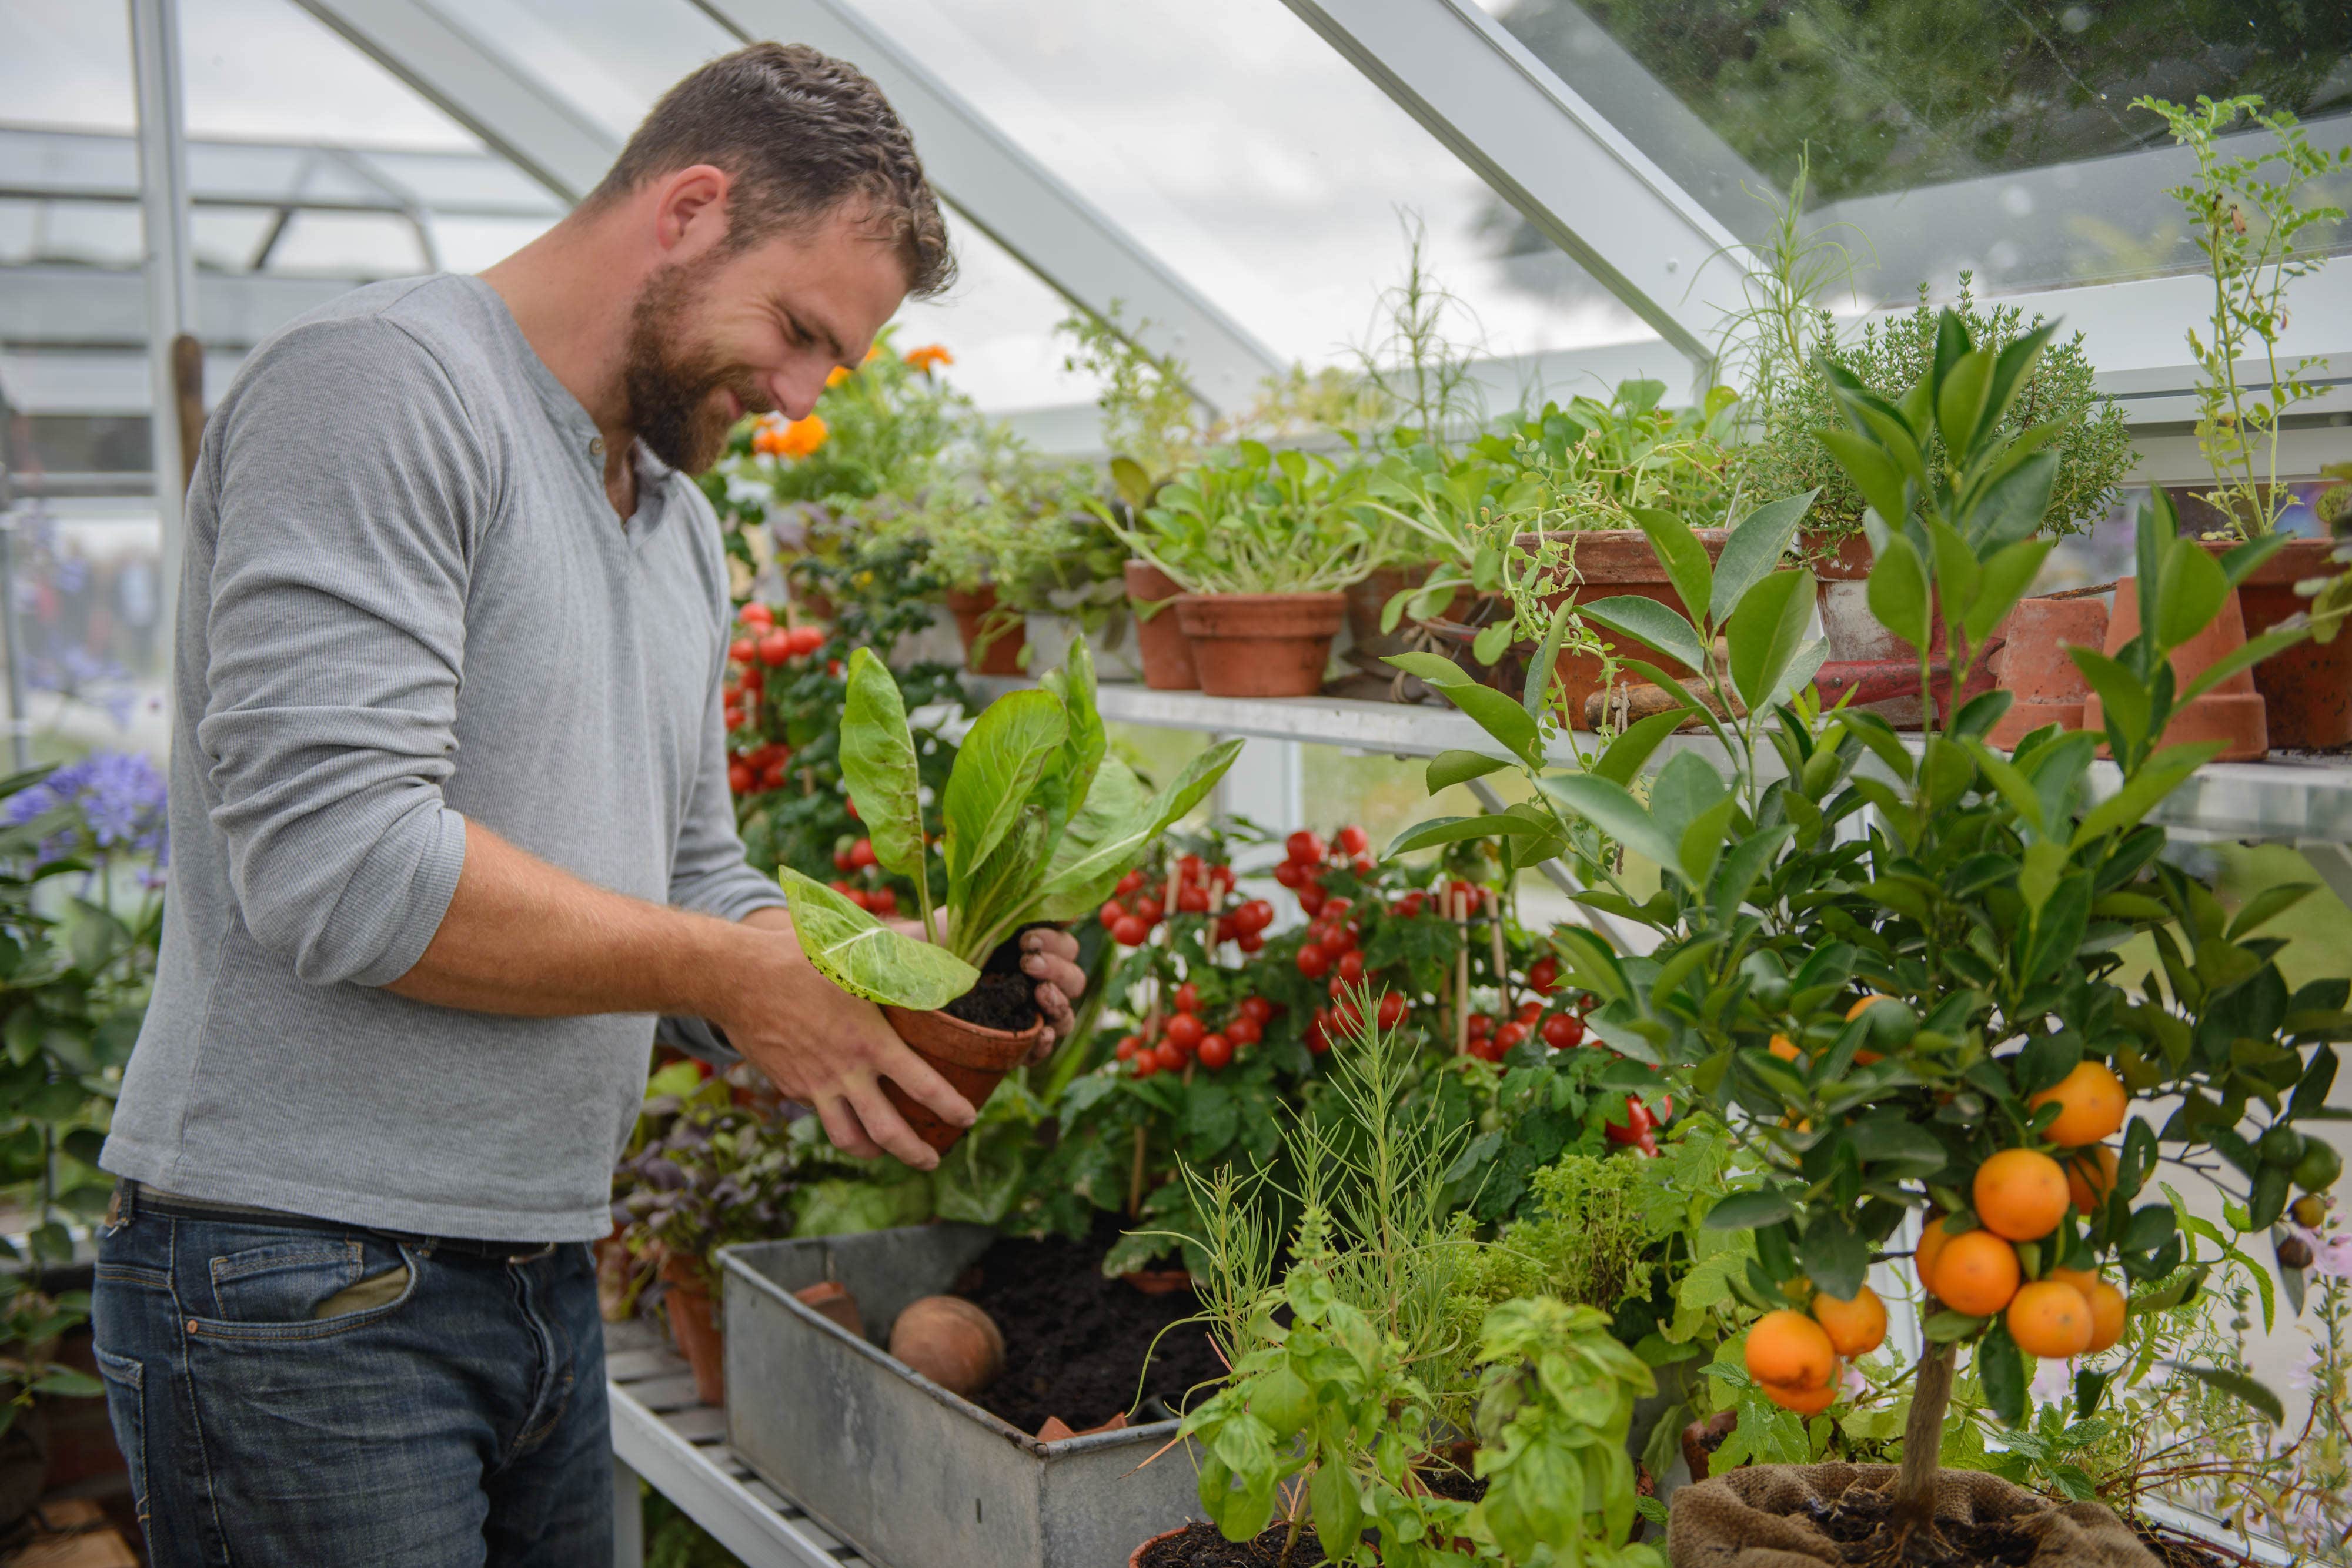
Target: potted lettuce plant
x=1039, y=825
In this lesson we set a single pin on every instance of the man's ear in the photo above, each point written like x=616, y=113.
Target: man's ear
x=690, y=210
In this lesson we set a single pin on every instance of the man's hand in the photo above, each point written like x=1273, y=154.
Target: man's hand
x=1051, y=958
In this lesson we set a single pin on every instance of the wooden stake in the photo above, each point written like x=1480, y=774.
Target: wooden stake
x=1502, y=953
x=1135, y=1180
x=1457, y=907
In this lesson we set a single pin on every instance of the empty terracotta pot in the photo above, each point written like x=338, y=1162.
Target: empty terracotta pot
x=2032, y=663
x=949, y=1341
x=1167, y=652
x=992, y=640
x=1261, y=644
x=2230, y=713
x=1615, y=562
x=695, y=1327
x=1057, y=1430
x=1368, y=600
x=2307, y=690
x=975, y=1060
x=831, y=1300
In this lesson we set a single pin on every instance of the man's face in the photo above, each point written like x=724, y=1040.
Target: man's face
x=723, y=335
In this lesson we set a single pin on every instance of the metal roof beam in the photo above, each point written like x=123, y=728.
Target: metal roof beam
x=998, y=188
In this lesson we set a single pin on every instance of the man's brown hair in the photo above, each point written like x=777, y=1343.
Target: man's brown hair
x=800, y=133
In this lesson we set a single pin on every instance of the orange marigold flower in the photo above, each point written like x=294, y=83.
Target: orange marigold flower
x=838, y=374
x=929, y=355
x=801, y=436
x=873, y=352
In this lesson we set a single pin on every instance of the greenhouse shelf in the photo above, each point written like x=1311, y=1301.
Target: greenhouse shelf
x=662, y=1434
x=2290, y=799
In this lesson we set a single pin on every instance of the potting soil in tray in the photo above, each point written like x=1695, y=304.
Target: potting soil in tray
x=1855, y=1523
x=1199, y=1546
x=1074, y=1342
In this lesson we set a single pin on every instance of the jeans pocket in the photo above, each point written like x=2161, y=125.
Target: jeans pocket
x=306, y=1289
x=126, y=1412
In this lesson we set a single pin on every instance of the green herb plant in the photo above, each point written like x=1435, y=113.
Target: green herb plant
x=1249, y=519
x=1038, y=824
x=1976, y=919
x=2247, y=212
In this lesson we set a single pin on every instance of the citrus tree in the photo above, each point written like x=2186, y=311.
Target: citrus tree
x=1899, y=969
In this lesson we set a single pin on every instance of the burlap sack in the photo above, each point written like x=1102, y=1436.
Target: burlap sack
x=1758, y=1517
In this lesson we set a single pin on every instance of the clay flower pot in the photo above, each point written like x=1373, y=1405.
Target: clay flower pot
x=949, y=1341
x=695, y=1327
x=832, y=1300
x=975, y=1060
x=1135, y=1558
x=1846, y=559
x=2033, y=664
x=1167, y=652
x=2230, y=713
x=976, y=618
x=1261, y=644
x=2307, y=690
x=1368, y=599
x=1613, y=562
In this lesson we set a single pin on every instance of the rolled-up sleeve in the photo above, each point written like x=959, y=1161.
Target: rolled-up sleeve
x=352, y=488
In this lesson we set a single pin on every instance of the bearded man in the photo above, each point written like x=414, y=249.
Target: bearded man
x=451, y=828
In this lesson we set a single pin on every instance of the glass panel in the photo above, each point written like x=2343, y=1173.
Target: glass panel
x=67, y=65
x=609, y=58
x=998, y=320
x=267, y=70
x=1261, y=167
x=1990, y=138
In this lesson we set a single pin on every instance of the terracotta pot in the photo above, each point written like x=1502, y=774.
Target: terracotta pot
x=1701, y=1439
x=1167, y=651
x=2032, y=663
x=976, y=619
x=950, y=1340
x=1368, y=599
x=1842, y=594
x=1845, y=560
x=1261, y=644
x=1618, y=561
x=1056, y=1430
x=1158, y=1282
x=973, y=1059
x=695, y=1327
x=2307, y=690
x=831, y=1300
x=2230, y=713
x=1135, y=1558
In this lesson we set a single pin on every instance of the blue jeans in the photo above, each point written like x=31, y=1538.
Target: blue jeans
x=293, y=1393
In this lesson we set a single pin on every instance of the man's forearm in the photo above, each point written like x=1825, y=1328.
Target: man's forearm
x=523, y=938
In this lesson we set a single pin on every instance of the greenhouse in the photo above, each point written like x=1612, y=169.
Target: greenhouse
x=924, y=783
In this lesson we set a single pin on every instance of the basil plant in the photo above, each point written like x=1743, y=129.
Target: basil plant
x=1038, y=824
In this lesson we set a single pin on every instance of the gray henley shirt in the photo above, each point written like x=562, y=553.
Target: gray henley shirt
x=408, y=604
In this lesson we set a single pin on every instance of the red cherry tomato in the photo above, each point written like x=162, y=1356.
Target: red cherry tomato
x=1313, y=962
x=1147, y=1062
x=773, y=776
x=1543, y=976
x=743, y=650
x=1188, y=868
x=1529, y=1011
x=1635, y=1126
x=807, y=639
x=1225, y=930
x=739, y=779
x=1351, y=968
x=1188, y=997
x=1130, y=883
x=1408, y=906
x=840, y=887
x=1345, y=1021
x=1362, y=866
x=1509, y=1035
x=889, y=901
x=1317, y=1038
x=1244, y=1030
x=1193, y=899
x=857, y=896
x=1336, y=942
x=1112, y=913
x=861, y=853
x=1351, y=839
x=757, y=614
x=1222, y=875
x=1289, y=874
x=1148, y=910
x=1311, y=899
x=1249, y=941
x=775, y=646
x=1215, y=1051
x=1335, y=910
x=755, y=679
x=1258, y=1009
x=1586, y=1003
x=1392, y=1009
x=1562, y=1031
x=1127, y=1046
x=1130, y=932
x=732, y=718
x=1481, y=1026
x=1170, y=1056
x=1305, y=848
x=1186, y=1029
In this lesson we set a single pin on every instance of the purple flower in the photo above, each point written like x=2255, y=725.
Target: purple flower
x=121, y=800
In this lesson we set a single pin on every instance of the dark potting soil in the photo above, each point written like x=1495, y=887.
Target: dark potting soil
x=1008, y=1002
x=1006, y=959
x=1074, y=1342
x=1200, y=1545
x=1857, y=1522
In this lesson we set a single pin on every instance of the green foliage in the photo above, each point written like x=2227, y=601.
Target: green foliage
x=2247, y=212
x=702, y=1173
x=1149, y=419
x=1248, y=519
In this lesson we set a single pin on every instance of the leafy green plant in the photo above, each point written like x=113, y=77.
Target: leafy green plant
x=1248, y=519
x=1151, y=424
x=1038, y=824
x=2246, y=220
x=1912, y=1015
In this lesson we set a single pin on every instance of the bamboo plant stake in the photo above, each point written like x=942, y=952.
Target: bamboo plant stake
x=1457, y=907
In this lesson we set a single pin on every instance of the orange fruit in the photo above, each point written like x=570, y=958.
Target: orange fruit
x=2081, y=1279
x=2109, y=1310
x=1804, y=1402
x=2093, y=1101
x=2050, y=1318
x=1932, y=1237
x=2090, y=1176
x=1789, y=1352
x=1784, y=1047
x=1975, y=1273
x=1855, y=1327
x=2020, y=1194
x=1862, y=1058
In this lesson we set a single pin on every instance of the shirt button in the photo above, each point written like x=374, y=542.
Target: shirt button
x=595, y=446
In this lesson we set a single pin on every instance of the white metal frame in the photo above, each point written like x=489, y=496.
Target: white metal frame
x=170, y=272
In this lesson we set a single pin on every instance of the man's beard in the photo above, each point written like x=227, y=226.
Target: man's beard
x=669, y=387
